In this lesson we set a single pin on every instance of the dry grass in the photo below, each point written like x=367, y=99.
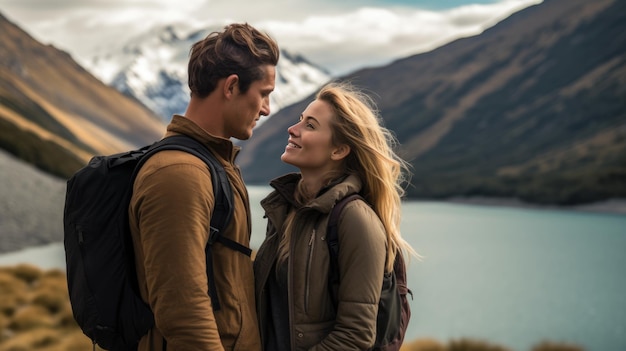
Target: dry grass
x=474, y=345
x=480, y=345
x=423, y=345
x=35, y=313
x=553, y=346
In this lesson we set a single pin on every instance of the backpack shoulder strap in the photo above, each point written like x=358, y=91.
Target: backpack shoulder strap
x=332, y=239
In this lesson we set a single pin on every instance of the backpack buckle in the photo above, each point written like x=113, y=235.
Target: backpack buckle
x=214, y=234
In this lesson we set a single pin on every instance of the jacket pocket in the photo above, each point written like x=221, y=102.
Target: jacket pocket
x=309, y=335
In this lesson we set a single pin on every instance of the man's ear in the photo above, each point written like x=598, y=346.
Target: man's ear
x=340, y=152
x=231, y=85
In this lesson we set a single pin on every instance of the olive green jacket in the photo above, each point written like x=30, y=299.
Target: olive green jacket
x=169, y=217
x=314, y=323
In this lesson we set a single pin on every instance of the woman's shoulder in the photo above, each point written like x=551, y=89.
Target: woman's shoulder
x=359, y=216
x=359, y=207
x=360, y=231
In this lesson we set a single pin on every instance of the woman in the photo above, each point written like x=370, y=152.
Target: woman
x=340, y=148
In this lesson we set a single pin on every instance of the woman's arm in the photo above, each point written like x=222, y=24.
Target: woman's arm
x=362, y=254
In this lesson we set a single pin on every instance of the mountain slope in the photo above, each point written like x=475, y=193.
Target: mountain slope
x=31, y=208
x=152, y=68
x=55, y=114
x=532, y=108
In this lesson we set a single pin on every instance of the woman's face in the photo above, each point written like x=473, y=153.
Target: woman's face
x=310, y=147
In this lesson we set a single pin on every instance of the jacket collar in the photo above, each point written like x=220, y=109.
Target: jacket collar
x=223, y=147
x=328, y=196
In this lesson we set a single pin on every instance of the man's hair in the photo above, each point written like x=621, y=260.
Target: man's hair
x=239, y=49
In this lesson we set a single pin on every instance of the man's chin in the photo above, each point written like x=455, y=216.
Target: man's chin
x=243, y=136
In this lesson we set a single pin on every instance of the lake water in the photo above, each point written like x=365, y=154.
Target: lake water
x=509, y=276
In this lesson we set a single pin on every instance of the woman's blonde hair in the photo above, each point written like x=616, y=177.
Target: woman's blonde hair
x=356, y=123
x=372, y=157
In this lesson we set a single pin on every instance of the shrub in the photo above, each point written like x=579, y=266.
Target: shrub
x=554, y=346
x=31, y=317
x=423, y=345
x=474, y=345
x=51, y=292
x=30, y=340
x=76, y=341
x=13, y=292
x=27, y=272
x=65, y=318
x=4, y=323
x=53, y=301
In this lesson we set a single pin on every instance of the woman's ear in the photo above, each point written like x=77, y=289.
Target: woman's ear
x=340, y=152
x=231, y=84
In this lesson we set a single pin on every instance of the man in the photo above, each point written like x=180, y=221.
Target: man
x=231, y=76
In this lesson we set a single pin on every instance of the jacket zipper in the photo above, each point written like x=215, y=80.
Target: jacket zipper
x=308, y=270
x=289, y=296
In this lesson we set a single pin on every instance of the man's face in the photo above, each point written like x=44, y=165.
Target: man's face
x=248, y=107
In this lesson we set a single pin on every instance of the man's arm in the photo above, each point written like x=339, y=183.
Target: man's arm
x=174, y=217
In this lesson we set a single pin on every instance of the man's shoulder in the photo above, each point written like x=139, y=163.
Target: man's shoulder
x=168, y=158
x=171, y=166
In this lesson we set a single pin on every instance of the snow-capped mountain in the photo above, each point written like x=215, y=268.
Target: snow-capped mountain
x=152, y=67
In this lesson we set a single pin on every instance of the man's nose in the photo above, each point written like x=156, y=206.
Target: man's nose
x=265, y=107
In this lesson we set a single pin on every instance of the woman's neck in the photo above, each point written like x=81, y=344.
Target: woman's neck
x=310, y=187
x=311, y=184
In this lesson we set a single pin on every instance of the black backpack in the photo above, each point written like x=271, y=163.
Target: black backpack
x=99, y=255
x=394, y=311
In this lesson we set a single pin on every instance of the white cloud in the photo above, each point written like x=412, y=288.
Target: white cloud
x=374, y=36
x=340, y=41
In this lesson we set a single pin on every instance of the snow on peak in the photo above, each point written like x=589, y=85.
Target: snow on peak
x=152, y=67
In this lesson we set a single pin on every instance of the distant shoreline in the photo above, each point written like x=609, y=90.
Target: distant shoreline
x=612, y=206
x=48, y=255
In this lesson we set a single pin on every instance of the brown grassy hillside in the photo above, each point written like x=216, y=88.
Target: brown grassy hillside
x=51, y=106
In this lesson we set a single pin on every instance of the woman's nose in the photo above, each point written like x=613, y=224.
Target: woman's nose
x=292, y=130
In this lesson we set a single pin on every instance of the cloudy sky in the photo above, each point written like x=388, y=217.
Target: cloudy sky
x=339, y=35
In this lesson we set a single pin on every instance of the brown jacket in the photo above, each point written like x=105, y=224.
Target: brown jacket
x=170, y=212
x=314, y=324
